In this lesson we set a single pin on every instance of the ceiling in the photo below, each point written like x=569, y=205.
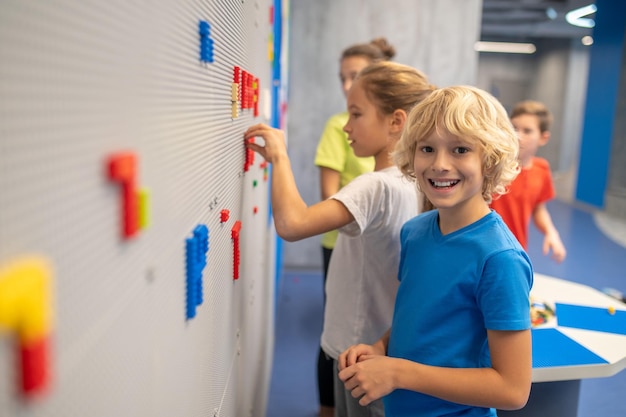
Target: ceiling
x=528, y=20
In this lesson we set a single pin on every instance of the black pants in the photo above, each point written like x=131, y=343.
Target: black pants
x=325, y=367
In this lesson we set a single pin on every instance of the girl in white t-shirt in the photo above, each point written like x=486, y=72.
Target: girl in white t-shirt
x=338, y=166
x=369, y=212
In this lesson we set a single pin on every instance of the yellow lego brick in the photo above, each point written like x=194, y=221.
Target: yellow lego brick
x=270, y=48
x=235, y=110
x=26, y=299
x=234, y=92
x=144, y=208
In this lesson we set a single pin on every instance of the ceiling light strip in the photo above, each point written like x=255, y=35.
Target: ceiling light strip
x=505, y=47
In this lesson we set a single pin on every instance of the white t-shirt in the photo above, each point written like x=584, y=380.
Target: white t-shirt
x=363, y=272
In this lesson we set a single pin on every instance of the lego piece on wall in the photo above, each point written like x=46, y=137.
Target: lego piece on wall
x=255, y=98
x=26, y=311
x=196, y=248
x=237, y=76
x=144, y=208
x=270, y=37
x=236, y=253
x=249, y=157
x=234, y=92
x=270, y=47
x=234, y=97
x=122, y=168
x=245, y=89
x=248, y=91
x=206, y=43
x=224, y=215
x=265, y=169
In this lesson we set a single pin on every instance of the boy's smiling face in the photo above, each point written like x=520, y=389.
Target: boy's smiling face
x=449, y=172
x=530, y=137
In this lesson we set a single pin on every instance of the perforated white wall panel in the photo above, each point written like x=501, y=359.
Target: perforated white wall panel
x=79, y=82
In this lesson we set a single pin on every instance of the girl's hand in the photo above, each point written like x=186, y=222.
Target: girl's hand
x=275, y=146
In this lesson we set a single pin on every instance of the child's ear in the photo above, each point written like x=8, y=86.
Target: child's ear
x=545, y=137
x=398, y=118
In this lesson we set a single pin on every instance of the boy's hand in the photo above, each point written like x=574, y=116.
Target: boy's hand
x=371, y=378
x=275, y=146
x=552, y=242
x=354, y=354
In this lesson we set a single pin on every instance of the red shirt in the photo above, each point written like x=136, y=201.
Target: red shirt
x=532, y=187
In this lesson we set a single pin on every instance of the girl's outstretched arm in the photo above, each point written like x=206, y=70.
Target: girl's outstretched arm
x=294, y=220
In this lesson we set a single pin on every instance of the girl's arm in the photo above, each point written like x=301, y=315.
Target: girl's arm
x=505, y=385
x=329, y=182
x=294, y=220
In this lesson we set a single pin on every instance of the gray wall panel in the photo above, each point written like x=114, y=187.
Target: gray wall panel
x=80, y=81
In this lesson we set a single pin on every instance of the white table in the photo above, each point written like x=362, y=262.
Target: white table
x=587, y=339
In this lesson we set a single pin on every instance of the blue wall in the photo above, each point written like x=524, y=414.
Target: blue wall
x=600, y=110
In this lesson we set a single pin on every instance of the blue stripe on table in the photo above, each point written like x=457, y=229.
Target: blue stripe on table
x=591, y=318
x=552, y=348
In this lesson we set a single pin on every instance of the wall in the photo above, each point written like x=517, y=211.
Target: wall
x=573, y=109
x=435, y=36
x=602, y=182
x=118, y=144
x=616, y=190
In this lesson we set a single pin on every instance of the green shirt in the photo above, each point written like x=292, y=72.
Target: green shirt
x=334, y=152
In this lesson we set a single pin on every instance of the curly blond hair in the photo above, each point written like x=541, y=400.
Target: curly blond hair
x=471, y=114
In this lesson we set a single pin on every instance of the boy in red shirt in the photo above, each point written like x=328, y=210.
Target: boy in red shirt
x=532, y=188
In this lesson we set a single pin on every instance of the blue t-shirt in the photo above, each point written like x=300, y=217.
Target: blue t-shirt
x=452, y=289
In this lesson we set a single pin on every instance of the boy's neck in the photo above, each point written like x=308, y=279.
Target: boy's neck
x=527, y=164
x=457, y=217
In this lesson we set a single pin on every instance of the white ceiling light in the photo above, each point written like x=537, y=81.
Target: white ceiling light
x=505, y=47
x=576, y=16
x=587, y=40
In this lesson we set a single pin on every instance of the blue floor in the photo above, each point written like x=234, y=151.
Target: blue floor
x=592, y=259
